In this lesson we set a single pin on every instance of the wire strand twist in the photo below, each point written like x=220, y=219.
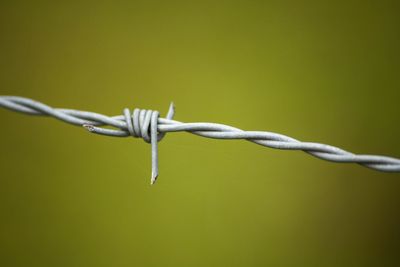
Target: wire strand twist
x=147, y=124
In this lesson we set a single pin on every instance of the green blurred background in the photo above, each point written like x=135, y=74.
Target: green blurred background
x=323, y=71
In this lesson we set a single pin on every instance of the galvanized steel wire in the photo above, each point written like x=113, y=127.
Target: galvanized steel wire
x=147, y=124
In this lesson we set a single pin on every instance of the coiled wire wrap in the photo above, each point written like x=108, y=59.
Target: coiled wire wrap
x=147, y=125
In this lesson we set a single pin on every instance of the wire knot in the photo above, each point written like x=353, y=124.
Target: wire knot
x=143, y=123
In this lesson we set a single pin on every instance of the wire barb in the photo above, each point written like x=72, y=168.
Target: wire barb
x=147, y=124
x=139, y=124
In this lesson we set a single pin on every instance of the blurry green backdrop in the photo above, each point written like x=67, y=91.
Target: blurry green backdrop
x=323, y=71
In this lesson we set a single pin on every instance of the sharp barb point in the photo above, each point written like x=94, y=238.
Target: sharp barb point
x=153, y=179
x=88, y=127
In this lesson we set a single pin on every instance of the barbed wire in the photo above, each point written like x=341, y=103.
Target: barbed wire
x=147, y=124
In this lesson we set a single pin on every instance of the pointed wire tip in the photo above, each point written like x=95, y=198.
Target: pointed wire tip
x=88, y=127
x=153, y=178
x=171, y=107
x=171, y=111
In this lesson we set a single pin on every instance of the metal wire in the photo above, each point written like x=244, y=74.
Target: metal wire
x=147, y=124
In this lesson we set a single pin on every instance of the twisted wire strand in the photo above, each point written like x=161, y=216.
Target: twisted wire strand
x=147, y=124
